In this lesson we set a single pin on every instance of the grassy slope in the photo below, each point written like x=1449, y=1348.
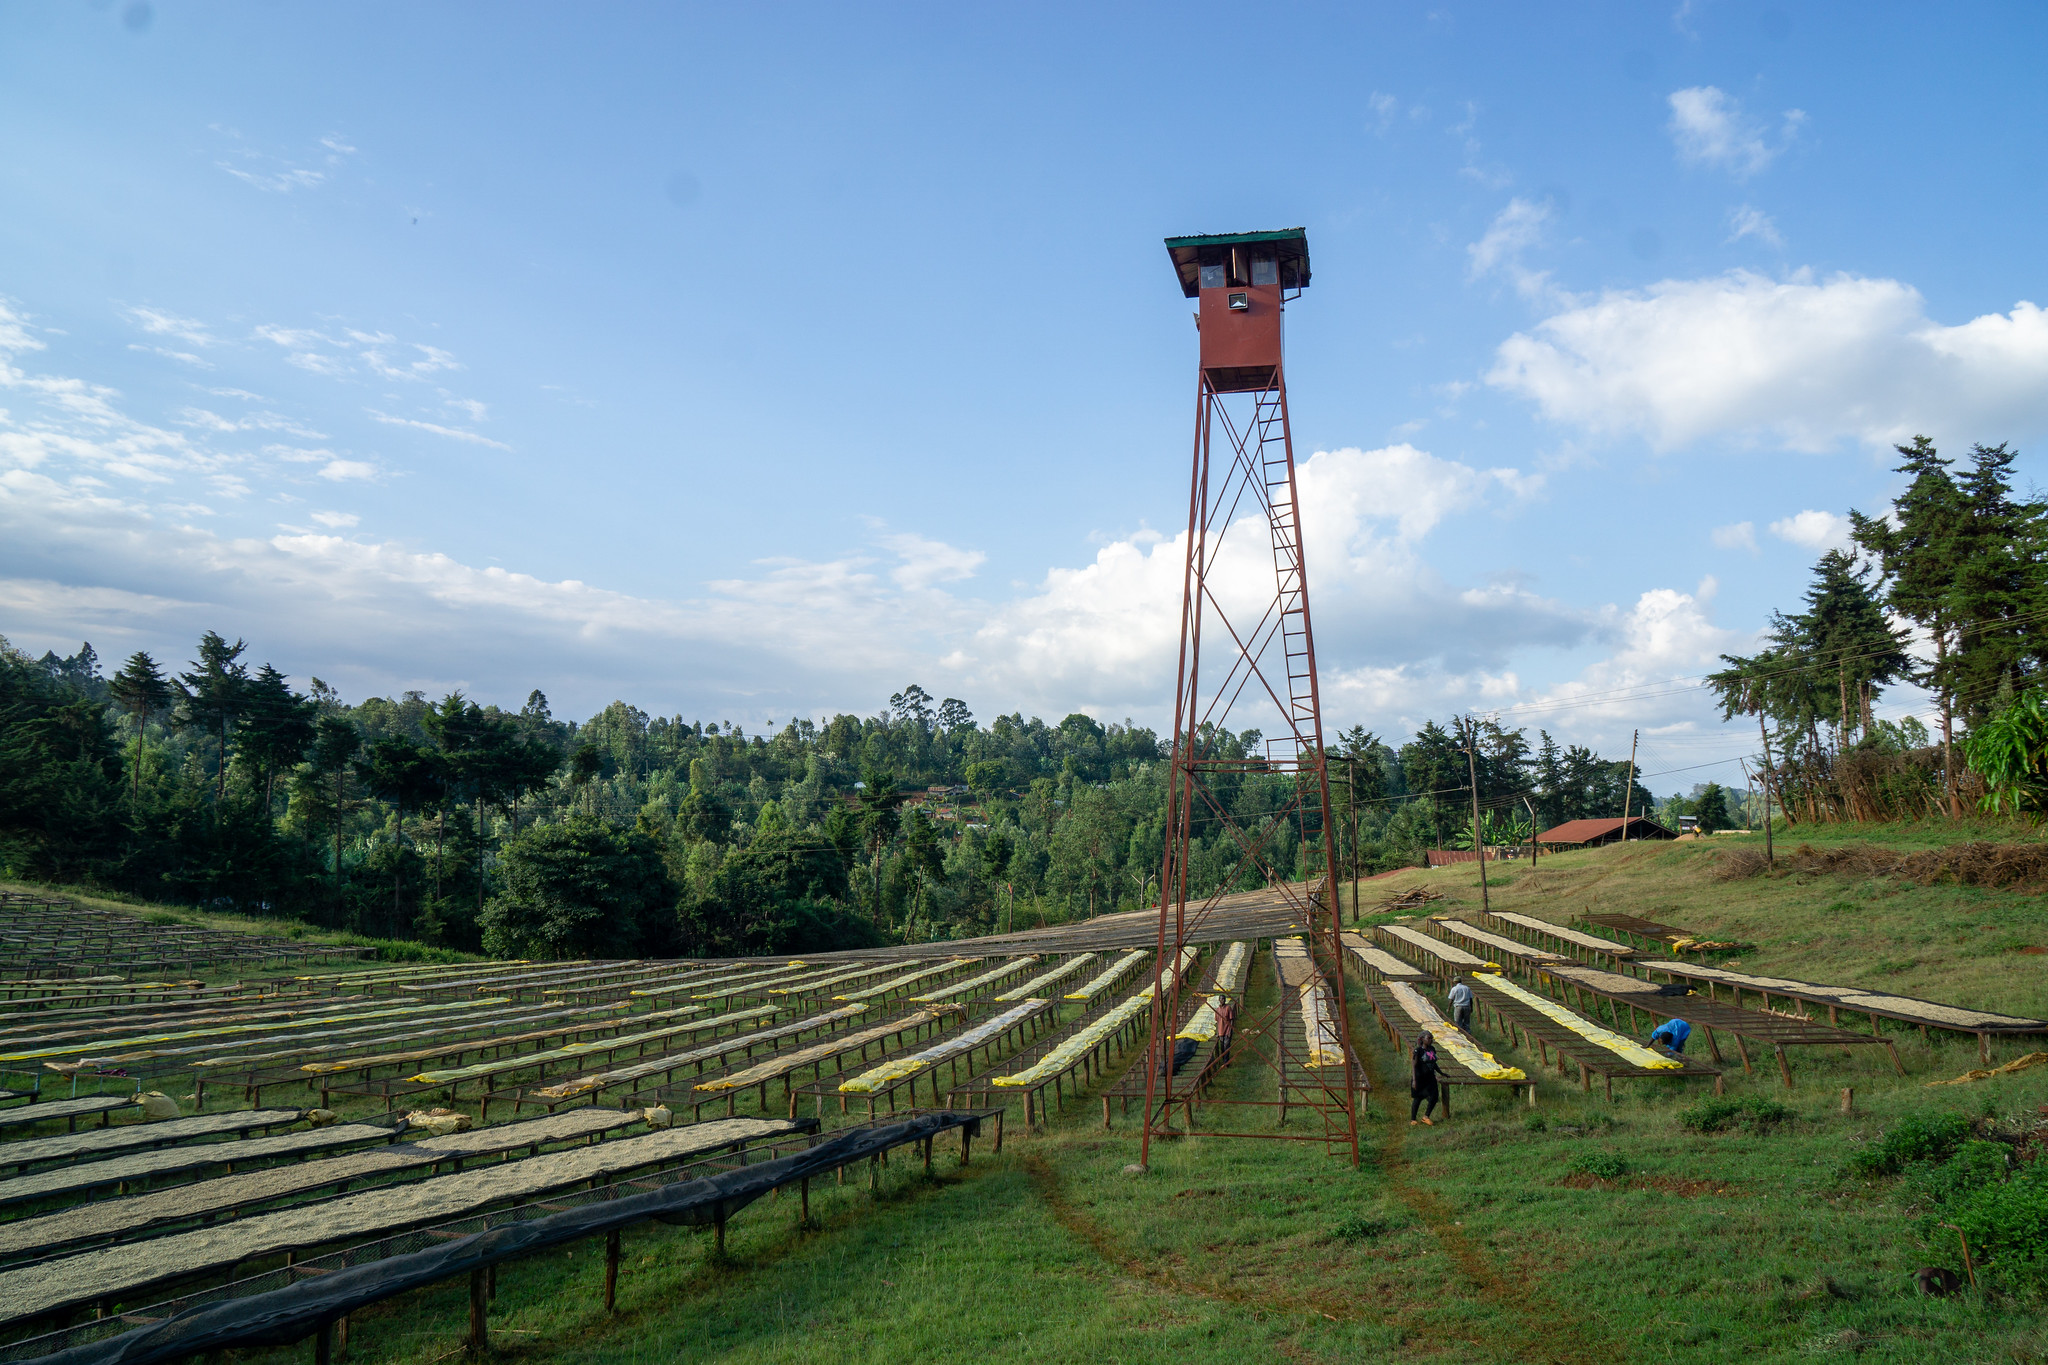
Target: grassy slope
x=1468, y=1241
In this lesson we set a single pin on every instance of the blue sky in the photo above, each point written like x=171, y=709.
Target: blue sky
x=753, y=362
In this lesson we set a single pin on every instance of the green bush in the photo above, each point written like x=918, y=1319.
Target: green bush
x=1717, y=1114
x=2006, y=1222
x=1600, y=1165
x=1974, y=1166
x=1917, y=1137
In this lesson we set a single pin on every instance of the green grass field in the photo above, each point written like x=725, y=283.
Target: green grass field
x=1576, y=1231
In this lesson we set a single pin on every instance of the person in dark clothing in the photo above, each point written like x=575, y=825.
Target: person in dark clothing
x=1226, y=1025
x=1422, y=1082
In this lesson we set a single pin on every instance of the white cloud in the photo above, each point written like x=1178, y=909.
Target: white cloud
x=292, y=338
x=1514, y=229
x=185, y=357
x=1711, y=129
x=453, y=433
x=337, y=520
x=1383, y=107
x=930, y=562
x=14, y=333
x=342, y=471
x=1739, y=535
x=469, y=407
x=1814, y=530
x=339, y=145
x=276, y=182
x=1804, y=364
x=1753, y=222
x=156, y=322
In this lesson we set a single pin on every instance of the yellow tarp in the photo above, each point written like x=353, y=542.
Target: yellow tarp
x=1084, y=1041
x=1451, y=1039
x=1621, y=1045
x=910, y=1064
x=1044, y=979
x=912, y=979
x=1015, y=964
x=1109, y=976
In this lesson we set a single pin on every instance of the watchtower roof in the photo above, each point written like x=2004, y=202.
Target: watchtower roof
x=1288, y=246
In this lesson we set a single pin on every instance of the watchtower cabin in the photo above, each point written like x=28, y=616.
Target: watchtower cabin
x=1242, y=280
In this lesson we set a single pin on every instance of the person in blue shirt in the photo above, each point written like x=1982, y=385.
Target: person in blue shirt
x=1671, y=1035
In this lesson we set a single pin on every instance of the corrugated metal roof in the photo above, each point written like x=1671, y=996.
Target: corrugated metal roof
x=1585, y=831
x=1287, y=245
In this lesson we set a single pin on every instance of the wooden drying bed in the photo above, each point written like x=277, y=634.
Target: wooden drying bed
x=114, y=1220
x=1587, y=988
x=1569, y=941
x=953, y=1052
x=1873, y=1005
x=1402, y=1031
x=167, y=1162
x=71, y=1111
x=112, y=1273
x=980, y=1085
x=1662, y=935
x=1441, y=959
x=921, y=1024
x=1377, y=963
x=1494, y=947
x=1194, y=1074
x=1525, y=1026
x=162, y=1133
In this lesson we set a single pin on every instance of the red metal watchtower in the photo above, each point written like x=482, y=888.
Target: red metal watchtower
x=1254, y=662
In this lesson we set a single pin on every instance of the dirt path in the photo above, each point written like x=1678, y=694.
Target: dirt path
x=1540, y=1330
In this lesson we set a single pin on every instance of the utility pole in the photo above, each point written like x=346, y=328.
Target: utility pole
x=1478, y=840
x=1528, y=806
x=1351, y=786
x=1770, y=860
x=1628, y=792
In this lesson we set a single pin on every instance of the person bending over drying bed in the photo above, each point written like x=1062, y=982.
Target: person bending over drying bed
x=1422, y=1082
x=1671, y=1035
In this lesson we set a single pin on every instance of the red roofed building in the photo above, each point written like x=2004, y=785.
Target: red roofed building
x=1594, y=833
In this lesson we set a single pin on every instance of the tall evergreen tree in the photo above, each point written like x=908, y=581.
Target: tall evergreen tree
x=141, y=689
x=213, y=695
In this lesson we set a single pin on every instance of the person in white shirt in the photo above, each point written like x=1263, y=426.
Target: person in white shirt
x=1461, y=1006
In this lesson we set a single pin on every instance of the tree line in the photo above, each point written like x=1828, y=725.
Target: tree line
x=466, y=825
x=1947, y=589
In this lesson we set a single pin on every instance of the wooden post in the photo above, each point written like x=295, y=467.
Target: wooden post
x=1629, y=790
x=611, y=1271
x=479, y=1332
x=1848, y=1099
x=718, y=1232
x=1478, y=839
x=323, y=1344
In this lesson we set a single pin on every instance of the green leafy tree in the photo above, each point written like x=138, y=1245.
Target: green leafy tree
x=410, y=777
x=2009, y=750
x=1711, y=809
x=336, y=743
x=580, y=889
x=924, y=854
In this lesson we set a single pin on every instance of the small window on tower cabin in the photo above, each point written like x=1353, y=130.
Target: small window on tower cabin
x=1265, y=272
x=1213, y=277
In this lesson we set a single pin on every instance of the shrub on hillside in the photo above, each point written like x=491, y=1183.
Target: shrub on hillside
x=1917, y=1137
x=1718, y=1114
x=2006, y=1221
x=1600, y=1165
